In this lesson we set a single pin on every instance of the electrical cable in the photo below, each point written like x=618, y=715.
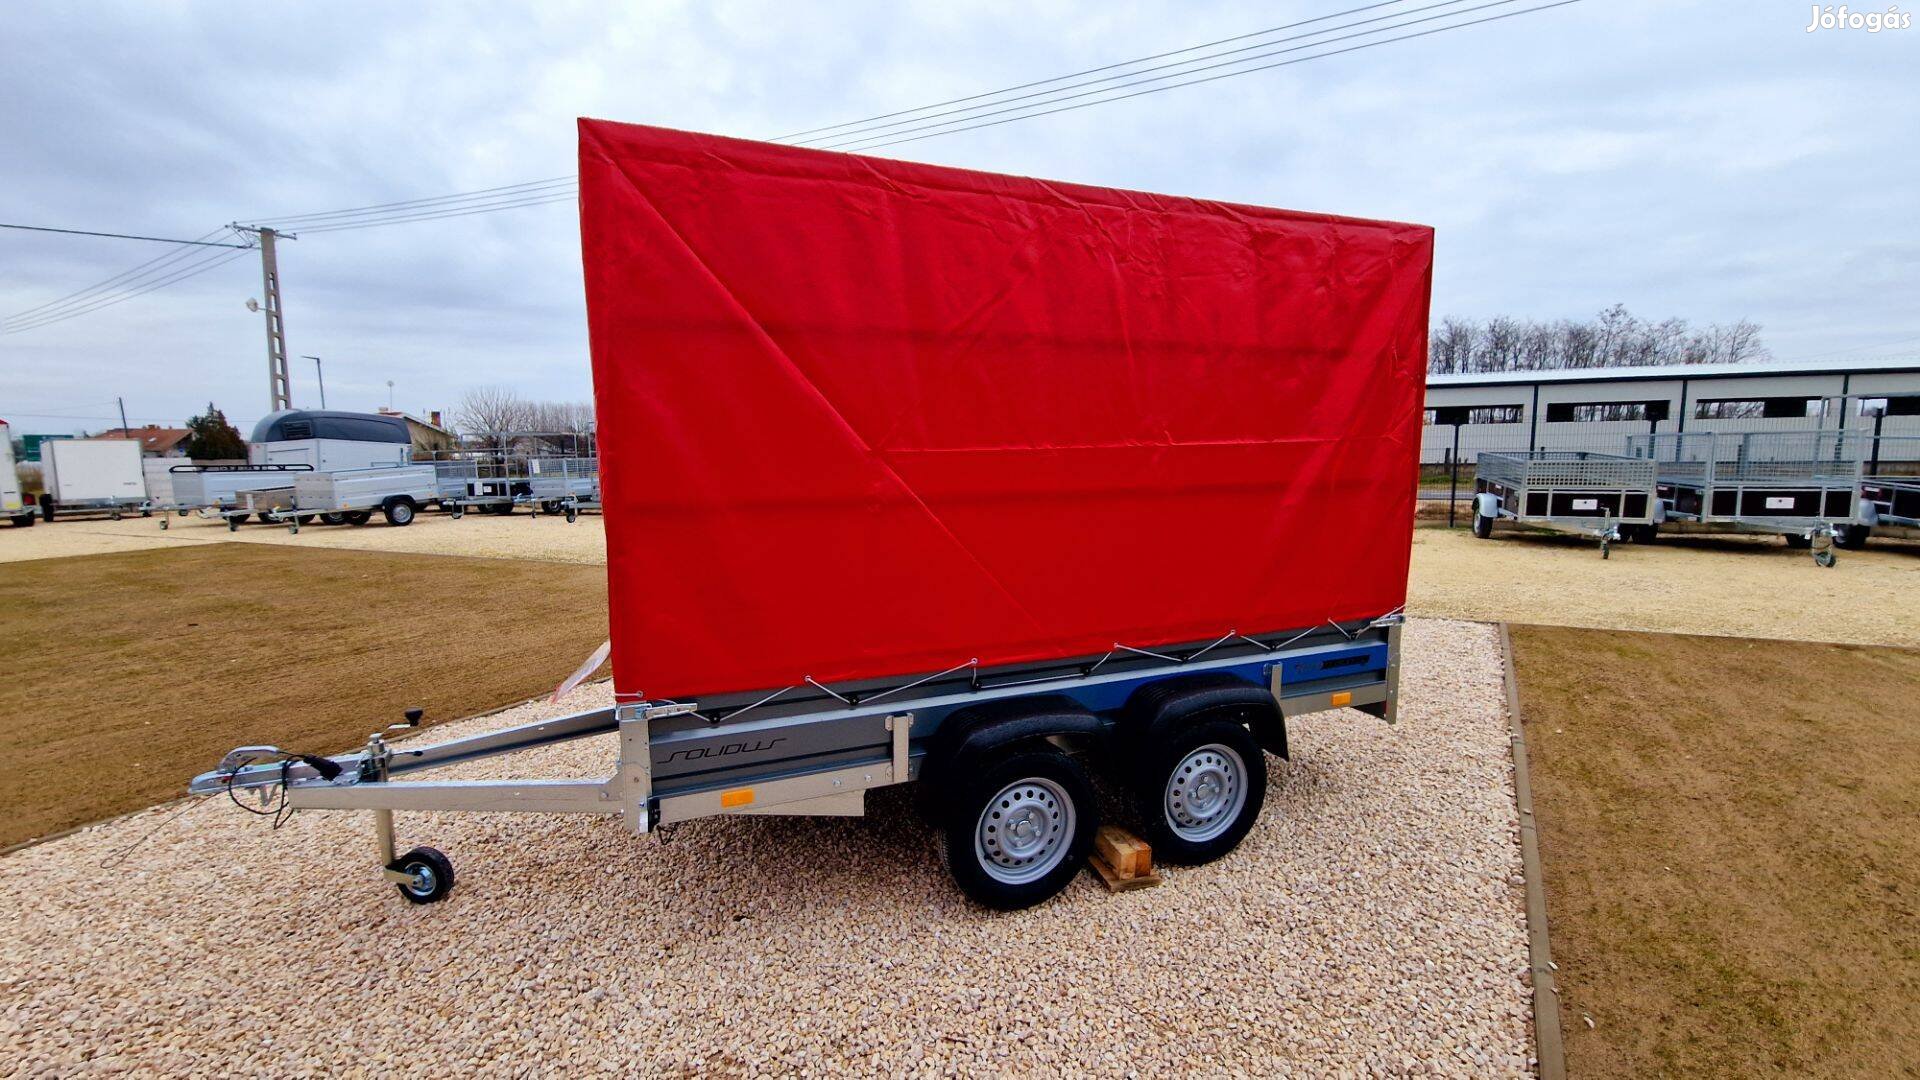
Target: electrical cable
x=115, y=235
x=1051, y=94
x=857, y=145
x=118, y=279
x=1228, y=75
x=409, y=204
x=192, y=270
x=1089, y=71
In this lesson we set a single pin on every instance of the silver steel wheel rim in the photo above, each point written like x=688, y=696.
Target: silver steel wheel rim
x=1205, y=793
x=1024, y=831
x=423, y=879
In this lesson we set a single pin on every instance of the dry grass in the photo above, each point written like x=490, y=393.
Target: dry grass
x=1732, y=862
x=128, y=673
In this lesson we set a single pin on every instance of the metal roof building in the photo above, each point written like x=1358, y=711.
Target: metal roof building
x=1596, y=409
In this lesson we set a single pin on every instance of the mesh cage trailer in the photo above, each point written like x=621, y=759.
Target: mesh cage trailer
x=1803, y=486
x=878, y=512
x=1608, y=497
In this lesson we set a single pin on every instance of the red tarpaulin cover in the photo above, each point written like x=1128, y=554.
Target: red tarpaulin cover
x=864, y=418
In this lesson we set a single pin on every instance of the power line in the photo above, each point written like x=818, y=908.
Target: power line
x=408, y=204
x=570, y=196
x=116, y=236
x=872, y=143
x=1061, y=90
x=1089, y=71
x=109, y=300
x=122, y=279
x=1228, y=75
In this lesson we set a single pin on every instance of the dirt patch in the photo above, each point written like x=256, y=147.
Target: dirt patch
x=129, y=673
x=1734, y=586
x=1731, y=860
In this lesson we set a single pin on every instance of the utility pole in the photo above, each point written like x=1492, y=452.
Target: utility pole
x=279, y=386
x=122, y=402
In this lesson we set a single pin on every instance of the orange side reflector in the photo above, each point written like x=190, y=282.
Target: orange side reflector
x=738, y=797
x=1344, y=697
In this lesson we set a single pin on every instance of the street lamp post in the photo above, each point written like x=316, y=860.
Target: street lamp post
x=320, y=378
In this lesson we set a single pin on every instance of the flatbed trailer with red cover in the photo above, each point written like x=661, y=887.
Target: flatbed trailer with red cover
x=913, y=473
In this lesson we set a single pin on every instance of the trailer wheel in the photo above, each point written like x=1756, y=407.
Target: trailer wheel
x=573, y=515
x=1483, y=527
x=358, y=517
x=334, y=518
x=1200, y=790
x=1800, y=543
x=1020, y=828
x=432, y=875
x=398, y=510
x=456, y=512
x=22, y=521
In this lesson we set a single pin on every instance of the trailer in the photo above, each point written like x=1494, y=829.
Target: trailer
x=1803, y=486
x=1607, y=497
x=15, y=505
x=350, y=496
x=932, y=528
x=564, y=485
x=93, y=476
x=217, y=490
x=1888, y=502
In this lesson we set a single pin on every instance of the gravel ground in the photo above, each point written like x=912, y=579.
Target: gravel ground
x=1372, y=923
x=1684, y=584
x=1690, y=585
x=521, y=536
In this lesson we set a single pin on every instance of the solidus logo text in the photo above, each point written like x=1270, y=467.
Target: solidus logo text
x=745, y=746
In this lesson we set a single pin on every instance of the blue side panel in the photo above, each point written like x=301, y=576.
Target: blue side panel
x=1359, y=660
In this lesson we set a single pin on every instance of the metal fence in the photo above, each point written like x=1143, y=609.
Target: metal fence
x=1771, y=452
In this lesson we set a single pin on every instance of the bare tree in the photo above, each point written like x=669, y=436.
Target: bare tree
x=1613, y=338
x=490, y=412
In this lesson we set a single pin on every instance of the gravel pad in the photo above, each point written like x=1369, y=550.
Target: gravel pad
x=1372, y=922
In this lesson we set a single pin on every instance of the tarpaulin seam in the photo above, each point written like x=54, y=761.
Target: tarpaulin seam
x=875, y=456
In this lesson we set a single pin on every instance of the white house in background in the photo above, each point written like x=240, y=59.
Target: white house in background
x=1597, y=409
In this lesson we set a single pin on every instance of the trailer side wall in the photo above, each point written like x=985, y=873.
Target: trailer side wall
x=863, y=418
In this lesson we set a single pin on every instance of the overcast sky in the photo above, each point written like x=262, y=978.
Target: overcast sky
x=1712, y=161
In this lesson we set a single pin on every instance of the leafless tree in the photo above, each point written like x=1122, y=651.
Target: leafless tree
x=1613, y=338
x=489, y=412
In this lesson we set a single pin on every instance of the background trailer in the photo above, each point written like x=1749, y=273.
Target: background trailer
x=916, y=473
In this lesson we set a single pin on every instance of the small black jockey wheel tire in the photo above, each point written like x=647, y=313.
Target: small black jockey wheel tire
x=1200, y=790
x=1042, y=791
x=1483, y=527
x=432, y=871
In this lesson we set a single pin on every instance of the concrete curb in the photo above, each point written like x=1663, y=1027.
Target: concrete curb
x=1549, y=1049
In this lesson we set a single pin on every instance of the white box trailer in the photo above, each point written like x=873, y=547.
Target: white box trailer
x=13, y=503
x=92, y=476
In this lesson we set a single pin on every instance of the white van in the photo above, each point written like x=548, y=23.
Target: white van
x=13, y=505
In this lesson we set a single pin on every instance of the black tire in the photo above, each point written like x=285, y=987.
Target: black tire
x=358, y=517
x=456, y=513
x=1056, y=796
x=23, y=521
x=550, y=507
x=304, y=519
x=573, y=515
x=334, y=518
x=1483, y=527
x=1852, y=537
x=398, y=510
x=1195, y=751
x=433, y=872
x=146, y=513
x=1800, y=543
